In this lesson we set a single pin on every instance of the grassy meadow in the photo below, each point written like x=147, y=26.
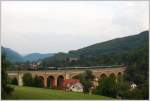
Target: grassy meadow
x=34, y=93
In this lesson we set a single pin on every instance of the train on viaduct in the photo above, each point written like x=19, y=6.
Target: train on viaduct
x=56, y=77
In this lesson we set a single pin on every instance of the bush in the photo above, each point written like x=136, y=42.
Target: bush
x=27, y=80
x=7, y=90
x=107, y=87
x=122, y=90
x=14, y=81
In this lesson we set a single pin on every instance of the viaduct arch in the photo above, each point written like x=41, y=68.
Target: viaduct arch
x=53, y=78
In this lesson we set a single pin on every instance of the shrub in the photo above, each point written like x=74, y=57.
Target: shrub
x=14, y=81
x=27, y=79
x=107, y=87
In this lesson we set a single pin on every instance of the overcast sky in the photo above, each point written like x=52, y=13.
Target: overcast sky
x=60, y=26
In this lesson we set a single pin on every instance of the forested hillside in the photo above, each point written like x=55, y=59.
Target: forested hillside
x=106, y=53
x=118, y=45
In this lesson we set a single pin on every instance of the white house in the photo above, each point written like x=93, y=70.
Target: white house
x=76, y=87
x=132, y=86
x=73, y=85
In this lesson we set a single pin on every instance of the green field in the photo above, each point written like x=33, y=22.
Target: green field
x=43, y=93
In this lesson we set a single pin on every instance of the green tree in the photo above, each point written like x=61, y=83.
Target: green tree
x=14, y=81
x=122, y=90
x=107, y=87
x=87, y=80
x=27, y=79
x=6, y=89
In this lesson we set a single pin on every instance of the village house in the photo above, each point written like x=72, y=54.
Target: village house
x=73, y=85
x=71, y=59
x=132, y=86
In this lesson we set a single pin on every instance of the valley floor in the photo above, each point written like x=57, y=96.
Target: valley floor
x=49, y=94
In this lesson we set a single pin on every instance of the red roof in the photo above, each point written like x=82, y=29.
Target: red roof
x=70, y=81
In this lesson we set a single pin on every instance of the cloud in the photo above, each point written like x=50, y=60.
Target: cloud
x=53, y=26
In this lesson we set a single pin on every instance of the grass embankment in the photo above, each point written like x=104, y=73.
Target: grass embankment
x=43, y=93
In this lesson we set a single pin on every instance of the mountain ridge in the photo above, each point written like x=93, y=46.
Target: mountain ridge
x=13, y=56
x=113, y=46
x=36, y=56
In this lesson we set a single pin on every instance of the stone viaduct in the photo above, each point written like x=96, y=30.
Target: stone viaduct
x=56, y=77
